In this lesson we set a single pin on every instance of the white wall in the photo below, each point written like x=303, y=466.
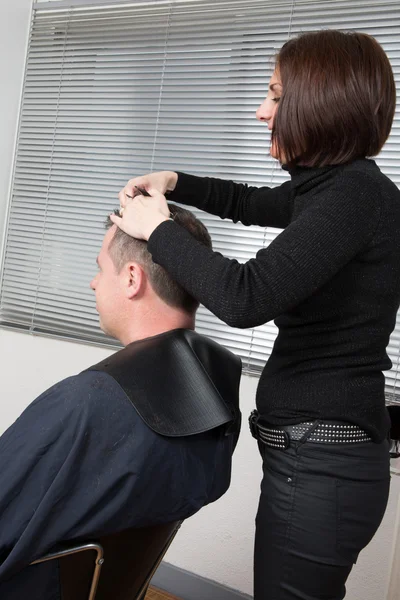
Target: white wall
x=14, y=26
x=218, y=542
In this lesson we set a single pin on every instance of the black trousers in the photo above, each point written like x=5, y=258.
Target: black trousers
x=320, y=505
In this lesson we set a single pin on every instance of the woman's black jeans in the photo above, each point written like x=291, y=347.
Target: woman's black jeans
x=320, y=505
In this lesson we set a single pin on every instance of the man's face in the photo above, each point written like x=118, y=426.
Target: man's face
x=107, y=285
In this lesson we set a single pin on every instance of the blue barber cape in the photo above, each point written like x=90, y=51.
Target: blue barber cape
x=79, y=463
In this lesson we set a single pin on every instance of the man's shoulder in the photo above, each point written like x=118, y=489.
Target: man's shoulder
x=84, y=381
x=73, y=407
x=81, y=391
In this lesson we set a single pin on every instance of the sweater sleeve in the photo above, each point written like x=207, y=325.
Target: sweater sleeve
x=266, y=207
x=308, y=253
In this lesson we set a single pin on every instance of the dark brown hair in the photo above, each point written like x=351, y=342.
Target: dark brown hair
x=124, y=248
x=338, y=98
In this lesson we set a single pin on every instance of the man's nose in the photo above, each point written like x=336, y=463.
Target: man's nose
x=93, y=284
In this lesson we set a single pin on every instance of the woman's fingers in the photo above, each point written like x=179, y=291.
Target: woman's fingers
x=122, y=199
x=162, y=181
x=142, y=214
x=130, y=191
x=116, y=220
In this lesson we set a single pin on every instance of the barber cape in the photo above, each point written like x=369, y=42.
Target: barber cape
x=142, y=438
x=181, y=383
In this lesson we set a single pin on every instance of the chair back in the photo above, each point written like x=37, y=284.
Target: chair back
x=131, y=558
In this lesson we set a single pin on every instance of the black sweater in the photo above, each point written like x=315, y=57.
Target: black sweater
x=331, y=281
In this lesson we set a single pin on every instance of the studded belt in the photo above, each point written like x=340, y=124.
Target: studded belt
x=319, y=432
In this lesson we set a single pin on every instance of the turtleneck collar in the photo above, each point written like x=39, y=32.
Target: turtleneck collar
x=304, y=176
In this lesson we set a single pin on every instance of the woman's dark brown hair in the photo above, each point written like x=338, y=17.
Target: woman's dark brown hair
x=338, y=98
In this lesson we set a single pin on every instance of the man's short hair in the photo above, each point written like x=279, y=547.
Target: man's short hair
x=124, y=248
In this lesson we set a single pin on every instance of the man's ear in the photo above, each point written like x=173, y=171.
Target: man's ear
x=135, y=279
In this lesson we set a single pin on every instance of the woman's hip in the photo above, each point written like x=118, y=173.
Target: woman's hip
x=319, y=507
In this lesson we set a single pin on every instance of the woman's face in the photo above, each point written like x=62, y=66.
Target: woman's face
x=267, y=110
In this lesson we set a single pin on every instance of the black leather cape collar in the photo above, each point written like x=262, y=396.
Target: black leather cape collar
x=180, y=383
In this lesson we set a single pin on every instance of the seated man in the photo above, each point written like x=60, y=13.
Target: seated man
x=142, y=438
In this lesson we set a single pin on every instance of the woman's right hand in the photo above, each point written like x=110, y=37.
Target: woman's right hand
x=162, y=181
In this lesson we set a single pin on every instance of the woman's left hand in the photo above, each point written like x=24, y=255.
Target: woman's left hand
x=141, y=214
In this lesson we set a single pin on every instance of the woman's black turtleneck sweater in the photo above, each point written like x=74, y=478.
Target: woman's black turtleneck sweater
x=331, y=281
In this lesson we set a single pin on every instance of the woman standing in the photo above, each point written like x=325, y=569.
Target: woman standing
x=331, y=281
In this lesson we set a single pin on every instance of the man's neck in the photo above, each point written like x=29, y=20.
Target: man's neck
x=151, y=327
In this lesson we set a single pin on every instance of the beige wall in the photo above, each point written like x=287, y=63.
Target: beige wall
x=218, y=542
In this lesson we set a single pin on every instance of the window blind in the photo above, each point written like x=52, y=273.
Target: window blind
x=117, y=90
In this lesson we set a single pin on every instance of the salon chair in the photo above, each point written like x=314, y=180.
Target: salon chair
x=113, y=567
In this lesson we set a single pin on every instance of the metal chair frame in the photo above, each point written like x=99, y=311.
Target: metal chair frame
x=99, y=561
x=74, y=550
